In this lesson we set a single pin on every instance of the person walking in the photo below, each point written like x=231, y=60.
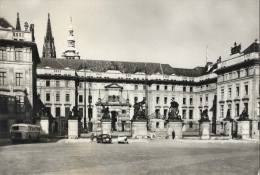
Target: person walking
x=92, y=137
x=154, y=134
x=173, y=134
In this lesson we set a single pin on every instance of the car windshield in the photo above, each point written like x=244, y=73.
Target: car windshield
x=121, y=136
x=105, y=135
x=21, y=128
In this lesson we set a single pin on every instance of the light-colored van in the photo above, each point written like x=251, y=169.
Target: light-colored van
x=25, y=132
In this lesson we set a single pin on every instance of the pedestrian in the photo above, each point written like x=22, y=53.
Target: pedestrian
x=173, y=134
x=92, y=137
x=154, y=134
x=151, y=135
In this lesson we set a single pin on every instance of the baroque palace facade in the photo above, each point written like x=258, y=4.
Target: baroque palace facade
x=69, y=81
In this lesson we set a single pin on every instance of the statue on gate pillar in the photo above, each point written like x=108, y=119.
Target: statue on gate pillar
x=243, y=116
x=173, y=114
x=106, y=114
x=139, y=112
x=204, y=116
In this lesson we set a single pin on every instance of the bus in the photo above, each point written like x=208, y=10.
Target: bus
x=25, y=132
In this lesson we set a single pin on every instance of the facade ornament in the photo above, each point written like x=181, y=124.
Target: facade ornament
x=139, y=112
x=26, y=25
x=235, y=49
x=173, y=114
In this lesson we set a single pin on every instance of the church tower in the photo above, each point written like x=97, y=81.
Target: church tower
x=71, y=52
x=48, y=50
x=18, y=26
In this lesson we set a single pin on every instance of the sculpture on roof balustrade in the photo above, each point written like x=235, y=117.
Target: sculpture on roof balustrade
x=204, y=116
x=235, y=49
x=139, y=112
x=173, y=114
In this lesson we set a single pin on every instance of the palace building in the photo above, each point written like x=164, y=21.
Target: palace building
x=62, y=83
x=18, y=60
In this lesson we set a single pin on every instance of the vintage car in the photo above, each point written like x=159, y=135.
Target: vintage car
x=104, y=138
x=122, y=139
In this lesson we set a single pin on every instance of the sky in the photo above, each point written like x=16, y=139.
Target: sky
x=174, y=32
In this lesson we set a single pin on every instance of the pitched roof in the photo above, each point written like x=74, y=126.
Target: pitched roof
x=254, y=47
x=124, y=67
x=5, y=24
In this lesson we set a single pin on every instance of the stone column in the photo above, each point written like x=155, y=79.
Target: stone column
x=44, y=124
x=204, y=130
x=73, y=130
x=243, y=128
x=177, y=127
x=139, y=129
x=255, y=131
x=106, y=127
x=228, y=128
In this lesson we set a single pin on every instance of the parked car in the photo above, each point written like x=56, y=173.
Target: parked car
x=104, y=138
x=122, y=139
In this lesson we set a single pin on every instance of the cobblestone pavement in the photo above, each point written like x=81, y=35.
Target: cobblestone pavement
x=150, y=157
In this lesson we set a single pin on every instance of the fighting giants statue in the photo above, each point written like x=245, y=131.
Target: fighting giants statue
x=139, y=112
x=74, y=114
x=106, y=115
x=204, y=116
x=243, y=116
x=173, y=114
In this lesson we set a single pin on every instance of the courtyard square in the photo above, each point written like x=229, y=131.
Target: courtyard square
x=151, y=157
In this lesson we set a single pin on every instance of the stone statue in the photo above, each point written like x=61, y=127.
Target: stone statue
x=243, y=115
x=219, y=60
x=106, y=115
x=228, y=114
x=75, y=114
x=204, y=116
x=174, y=112
x=32, y=30
x=139, y=112
x=235, y=49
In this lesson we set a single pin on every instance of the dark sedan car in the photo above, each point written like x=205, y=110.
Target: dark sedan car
x=104, y=138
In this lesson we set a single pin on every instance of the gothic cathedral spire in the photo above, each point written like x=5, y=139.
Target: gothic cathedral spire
x=18, y=26
x=48, y=50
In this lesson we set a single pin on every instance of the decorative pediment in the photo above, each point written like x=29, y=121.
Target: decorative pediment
x=113, y=71
x=67, y=68
x=114, y=86
x=47, y=67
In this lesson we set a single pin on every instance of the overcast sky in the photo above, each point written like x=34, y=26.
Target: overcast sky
x=165, y=31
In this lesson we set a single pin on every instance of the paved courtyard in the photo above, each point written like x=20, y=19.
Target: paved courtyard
x=152, y=157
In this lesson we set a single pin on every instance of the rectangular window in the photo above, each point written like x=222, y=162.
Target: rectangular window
x=48, y=110
x=19, y=79
x=246, y=72
x=222, y=93
x=67, y=111
x=237, y=109
x=191, y=101
x=238, y=74
x=57, y=83
x=184, y=101
x=48, y=83
x=3, y=104
x=157, y=100
x=80, y=85
x=184, y=89
x=191, y=89
x=157, y=87
x=80, y=98
x=229, y=92
x=81, y=112
x=57, y=111
x=173, y=88
x=136, y=87
x=184, y=113
x=200, y=99
x=206, y=98
x=190, y=114
x=144, y=87
x=246, y=89
x=67, y=97
x=229, y=107
x=123, y=111
x=230, y=76
x=48, y=97
x=3, y=78
x=221, y=111
x=19, y=104
x=165, y=88
x=165, y=100
x=90, y=99
x=246, y=107
x=237, y=91
x=18, y=56
x=165, y=112
x=2, y=54
x=57, y=96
